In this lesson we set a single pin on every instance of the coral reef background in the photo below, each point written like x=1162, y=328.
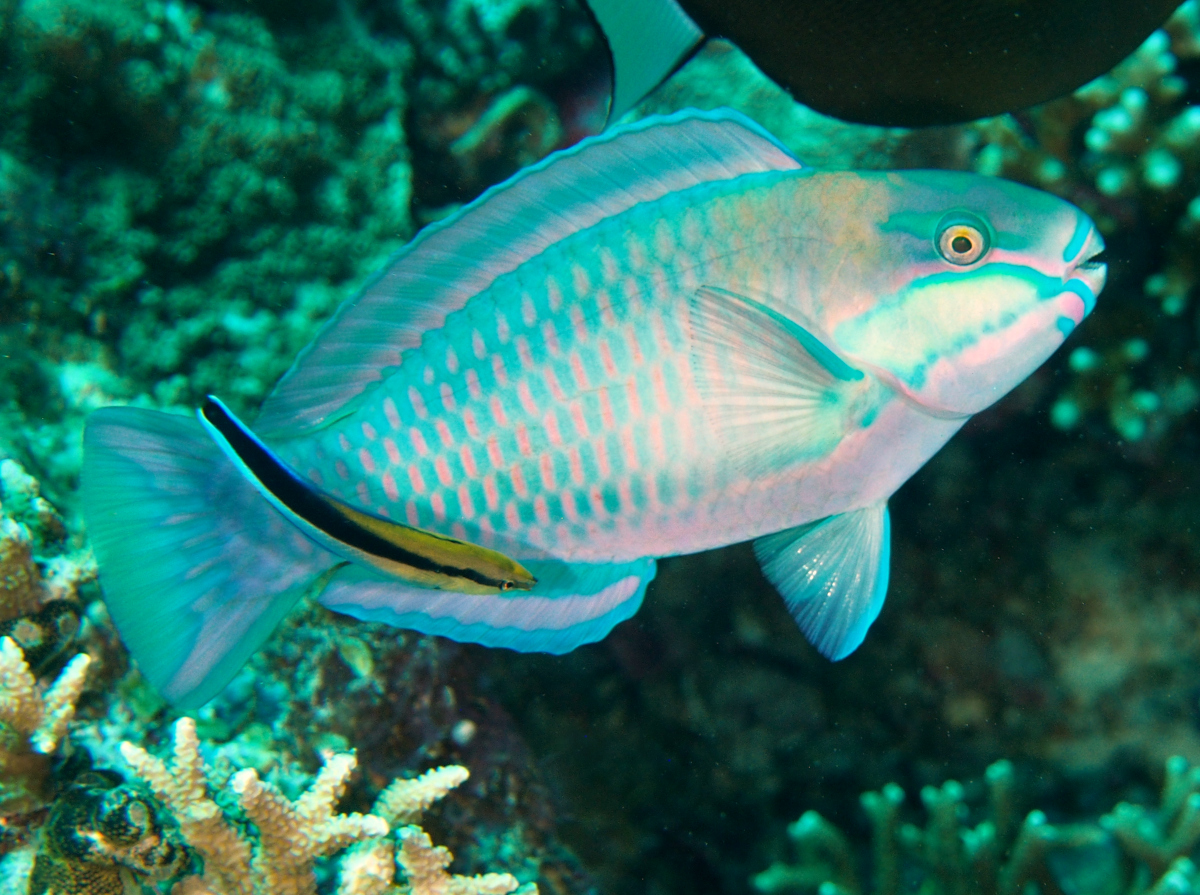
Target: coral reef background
x=187, y=190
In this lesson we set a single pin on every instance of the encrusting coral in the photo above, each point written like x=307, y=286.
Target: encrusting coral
x=32, y=722
x=1131, y=851
x=291, y=835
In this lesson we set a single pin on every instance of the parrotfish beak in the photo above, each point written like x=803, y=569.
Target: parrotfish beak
x=1087, y=272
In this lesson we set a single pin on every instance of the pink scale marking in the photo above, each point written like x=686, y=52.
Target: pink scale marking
x=367, y=461
x=525, y=396
x=629, y=448
x=528, y=310
x=546, y=467
x=635, y=350
x=550, y=337
x=447, y=395
x=451, y=359
x=418, y=441
x=368, y=431
x=581, y=377
x=576, y=463
x=606, y=358
x=522, y=345
x=604, y=303
x=541, y=511
x=389, y=486
x=554, y=297
x=443, y=471
x=314, y=476
x=465, y=504
x=596, y=502
x=342, y=469
x=471, y=424
x=579, y=323
x=493, y=451
x=392, y=451
x=660, y=388
x=523, y=443
x=411, y=514
x=416, y=479
x=580, y=280
x=478, y=345
x=602, y=466
x=499, y=371
x=517, y=476
x=467, y=457
x=364, y=494
x=570, y=509
x=391, y=414
x=429, y=374
x=554, y=385
x=458, y=530
x=625, y=495
x=502, y=331
x=577, y=417
x=443, y=431
x=550, y=422
x=437, y=503
x=512, y=516
x=417, y=402
x=491, y=493
x=635, y=400
x=343, y=442
x=606, y=411
x=657, y=445
x=474, y=389
x=498, y=415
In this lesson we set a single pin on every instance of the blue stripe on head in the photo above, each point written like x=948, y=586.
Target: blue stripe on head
x=1083, y=227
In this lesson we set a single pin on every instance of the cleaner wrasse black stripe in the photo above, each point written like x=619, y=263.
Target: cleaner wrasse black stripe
x=412, y=554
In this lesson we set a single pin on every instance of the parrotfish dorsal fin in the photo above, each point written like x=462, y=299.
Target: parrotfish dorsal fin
x=647, y=39
x=833, y=575
x=451, y=261
x=773, y=391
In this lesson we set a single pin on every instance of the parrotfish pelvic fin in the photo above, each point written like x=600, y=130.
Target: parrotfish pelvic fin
x=833, y=575
x=647, y=39
x=411, y=554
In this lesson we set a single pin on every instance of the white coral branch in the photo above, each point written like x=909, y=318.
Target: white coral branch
x=42, y=718
x=406, y=800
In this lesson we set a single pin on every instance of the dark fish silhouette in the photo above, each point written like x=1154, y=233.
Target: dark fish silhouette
x=906, y=63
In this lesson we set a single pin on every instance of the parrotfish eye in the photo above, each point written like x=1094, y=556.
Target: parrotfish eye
x=962, y=239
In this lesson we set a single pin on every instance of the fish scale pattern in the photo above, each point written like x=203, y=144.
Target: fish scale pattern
x=557, y=408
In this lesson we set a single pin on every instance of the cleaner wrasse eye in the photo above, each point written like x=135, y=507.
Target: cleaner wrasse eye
x=668, y=338
x=408, y=553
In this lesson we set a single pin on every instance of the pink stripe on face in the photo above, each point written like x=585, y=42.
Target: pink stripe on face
x=389, y=487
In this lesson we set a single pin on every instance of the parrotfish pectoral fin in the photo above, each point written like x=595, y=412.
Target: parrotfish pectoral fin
x=197, y=568
x=450, y=261
x=833, y=575
x=647, y=39
x=773, y=391
x=571, y=604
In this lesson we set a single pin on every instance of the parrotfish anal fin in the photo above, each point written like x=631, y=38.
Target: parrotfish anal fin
x=647, y=40
x=452, y=260
x=197, y=568
x=571, y=604
x=773, y=392
x=419, y=556
x=833, y=575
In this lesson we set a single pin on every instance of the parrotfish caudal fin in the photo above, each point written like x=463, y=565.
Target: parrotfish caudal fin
x=571, y=604
x=197, y=567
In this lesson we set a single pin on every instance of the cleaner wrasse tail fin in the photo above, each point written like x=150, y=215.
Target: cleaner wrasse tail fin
x=410, y=554
x=197, y=568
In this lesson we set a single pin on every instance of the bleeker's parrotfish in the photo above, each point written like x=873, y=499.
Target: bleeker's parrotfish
x=899, y=63
x=665, y=339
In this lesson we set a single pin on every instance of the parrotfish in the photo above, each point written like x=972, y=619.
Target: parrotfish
x=905, y=63
x=668, y=338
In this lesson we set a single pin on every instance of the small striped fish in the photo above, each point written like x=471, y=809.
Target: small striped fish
x=668, y=338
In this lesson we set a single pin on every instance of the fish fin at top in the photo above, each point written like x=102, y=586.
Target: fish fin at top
x=571, y=604
x=449, y=262
x=197, y=569
x=774, y=393
x=833, y=575
x=647, y=40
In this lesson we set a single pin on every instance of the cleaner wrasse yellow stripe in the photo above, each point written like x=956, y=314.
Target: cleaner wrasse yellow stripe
x=410, y=554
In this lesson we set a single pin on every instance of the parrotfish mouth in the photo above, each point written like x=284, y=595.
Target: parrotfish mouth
x=1088, y=271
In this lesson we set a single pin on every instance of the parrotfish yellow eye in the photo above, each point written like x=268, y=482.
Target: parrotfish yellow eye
x=962, y=242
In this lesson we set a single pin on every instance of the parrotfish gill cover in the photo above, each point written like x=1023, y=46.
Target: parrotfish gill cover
x=668, y=338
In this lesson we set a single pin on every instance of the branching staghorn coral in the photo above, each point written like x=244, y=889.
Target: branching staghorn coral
x=292, y=835
x=32, y=722
x=1142, y=851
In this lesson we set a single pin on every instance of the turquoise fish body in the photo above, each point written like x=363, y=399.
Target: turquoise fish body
x=667, y=339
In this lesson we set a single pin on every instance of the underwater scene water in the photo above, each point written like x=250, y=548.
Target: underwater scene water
x=188, y=193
